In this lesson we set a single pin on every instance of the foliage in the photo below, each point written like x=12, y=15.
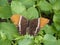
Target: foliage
x=48, y=35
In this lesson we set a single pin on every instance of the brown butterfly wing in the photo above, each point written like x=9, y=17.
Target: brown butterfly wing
x=34, y=28
x=23, y=23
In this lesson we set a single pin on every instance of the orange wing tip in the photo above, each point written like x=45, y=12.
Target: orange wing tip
x=43, y=22
x=15, y=19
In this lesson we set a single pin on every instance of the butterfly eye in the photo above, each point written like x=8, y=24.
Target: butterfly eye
x=15, y=19
x=43, y=22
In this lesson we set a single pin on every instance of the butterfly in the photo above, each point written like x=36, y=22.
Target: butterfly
x=31, y=27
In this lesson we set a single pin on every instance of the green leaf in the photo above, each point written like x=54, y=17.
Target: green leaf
x=9, y=30
x=44, y=5
x=56, y=6
x=48, y=29
x=38, y=39
x=3, y=36
x=58, y=33
x=25, y=14
x=5, y=42
x=3, y=2
x=31, y=13
x=52, y=1
x=26, y=41
x=49, y=40
x=17, y=7
x=57, y=26
x=28, y=3
x=58, y=42
x=56, y=19
x=5, y=12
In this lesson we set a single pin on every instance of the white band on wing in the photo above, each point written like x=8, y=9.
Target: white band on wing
x=37, y=26
x=20, y=24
